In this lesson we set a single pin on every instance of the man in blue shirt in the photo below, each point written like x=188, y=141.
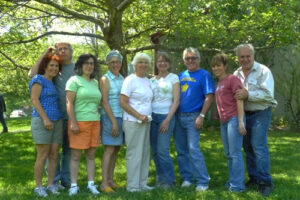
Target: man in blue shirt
x=196, y=96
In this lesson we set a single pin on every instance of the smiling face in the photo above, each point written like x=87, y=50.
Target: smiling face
x=141, y=67
x=245, y=58
x=52, y=69
x=88, y=67
x=162, y=64
x=114, y=65
x=219, y=70
x=191, y=61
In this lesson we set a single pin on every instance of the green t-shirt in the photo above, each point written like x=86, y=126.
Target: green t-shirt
x=87, y=99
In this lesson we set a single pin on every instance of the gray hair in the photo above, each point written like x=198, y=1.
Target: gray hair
x=245, y=45
x=67, y=43
x=139, y=56
x=192, y=50
x=114, y=53
x=164, y=55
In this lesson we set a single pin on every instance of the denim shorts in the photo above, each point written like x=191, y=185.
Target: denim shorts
x=42, y=136
x=106, y=137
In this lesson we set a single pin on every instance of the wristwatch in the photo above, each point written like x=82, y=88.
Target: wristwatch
x=202, y=115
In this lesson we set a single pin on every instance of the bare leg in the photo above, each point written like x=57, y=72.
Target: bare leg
x=90, y=162
x=74, y=164
x=53, y=157
x=42, y=154
x=106, y=164
x=112, y=166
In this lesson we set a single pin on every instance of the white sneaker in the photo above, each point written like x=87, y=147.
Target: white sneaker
x=134, y=190
x=53, y=189
x=201, y=188
x=73, y=190
x=59, y=186
x=147, y=188
x=186, y=184
x=93, y=189
x=40, y=191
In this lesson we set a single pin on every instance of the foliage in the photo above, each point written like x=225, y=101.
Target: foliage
x=17, y=157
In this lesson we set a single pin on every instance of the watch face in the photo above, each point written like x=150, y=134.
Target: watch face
x=202, y=115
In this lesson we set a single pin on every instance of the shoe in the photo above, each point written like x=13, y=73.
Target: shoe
x=164, y=185
x=116, y=186
x=65, y=184
x=93, y=189
x=265, y=189
x=40, y=191
x=201, y=188
x=186, y=184
x=147, y=188
x=73, y=190
x=59, y=186
x=251, y=183
x=134, y=190
x=107, y=190
x=53, y=189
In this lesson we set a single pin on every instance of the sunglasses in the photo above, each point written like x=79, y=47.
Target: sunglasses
x=190, y=58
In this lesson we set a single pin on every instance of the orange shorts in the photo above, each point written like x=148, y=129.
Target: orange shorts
x=88, y=136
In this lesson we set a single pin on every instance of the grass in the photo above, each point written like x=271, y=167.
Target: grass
x=17, y=157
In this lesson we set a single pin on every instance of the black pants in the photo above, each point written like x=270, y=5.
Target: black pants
x=3, y=122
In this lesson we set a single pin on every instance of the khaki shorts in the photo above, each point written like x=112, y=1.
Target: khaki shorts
x=87, y=137
x=42, y=136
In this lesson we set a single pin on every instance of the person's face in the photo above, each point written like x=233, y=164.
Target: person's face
x=88, y=67
x=141, y=66
x=52, y=69
x=191, y=61
x=114, y=65
x=245, y=58
x=161, y=64
x=64, y=52
x=219, y=70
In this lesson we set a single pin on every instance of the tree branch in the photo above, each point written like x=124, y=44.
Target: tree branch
x=93, y=5
x=55, y=33
x=124, y=5
x=13, y=62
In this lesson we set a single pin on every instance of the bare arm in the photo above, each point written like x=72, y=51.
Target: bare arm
x=209, y=98
x=70, y=97
x=104, y=88
x=34, y=70
x=124, y=103
x=240, y=109
x=176, y=98
x=34, y=96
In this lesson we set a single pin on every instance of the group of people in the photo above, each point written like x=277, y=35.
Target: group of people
x=144, y=113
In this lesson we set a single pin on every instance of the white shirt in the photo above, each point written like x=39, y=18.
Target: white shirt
x=140, y=95
x=260, y=86
x=163, y=93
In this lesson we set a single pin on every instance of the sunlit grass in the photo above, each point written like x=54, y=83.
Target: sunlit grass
x=17, y=157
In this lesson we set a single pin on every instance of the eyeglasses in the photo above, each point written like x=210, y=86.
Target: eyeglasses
x=63, y=49
x=88, y=63
x=190, y=58
x=114, y=62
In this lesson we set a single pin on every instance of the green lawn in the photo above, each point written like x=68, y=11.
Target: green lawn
x=17, y=156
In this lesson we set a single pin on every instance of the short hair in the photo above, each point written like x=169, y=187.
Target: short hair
x=245, y=45
x=220, y=58
x=114, y=53
x=45, y=61
x=164, y=55
x=139, y=56
x=80, y=61
x=192, y=50
x=67, y=43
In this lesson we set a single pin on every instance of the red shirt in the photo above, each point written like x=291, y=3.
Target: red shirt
x=226, y=103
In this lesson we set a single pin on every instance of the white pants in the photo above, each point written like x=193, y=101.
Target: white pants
x=137, y=139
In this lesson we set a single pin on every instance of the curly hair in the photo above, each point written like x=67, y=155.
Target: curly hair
x=80, y=61
x=45, y=61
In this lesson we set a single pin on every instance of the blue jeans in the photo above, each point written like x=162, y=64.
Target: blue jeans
x=63, y=163
x=189, y=156
x=232, y=142
x=160, y=144
x=255, y=145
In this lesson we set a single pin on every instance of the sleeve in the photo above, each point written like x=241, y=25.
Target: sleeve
x=126, y=87
x=36, y=79
x=175, y=79
x=72, y=84
x=209, y=84
x=235, y=83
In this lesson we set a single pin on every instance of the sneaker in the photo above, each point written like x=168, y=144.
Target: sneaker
x=201, y=188
x=265, y=189
x=59, y=186
x=73, y=190
x=40, y=191
x=134, y=190
x=147, y=188
x=186, y=184
x=52, y=189
x=93, y=189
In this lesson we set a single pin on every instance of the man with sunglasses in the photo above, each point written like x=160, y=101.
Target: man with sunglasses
x=196, y=96
x=64, y=51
